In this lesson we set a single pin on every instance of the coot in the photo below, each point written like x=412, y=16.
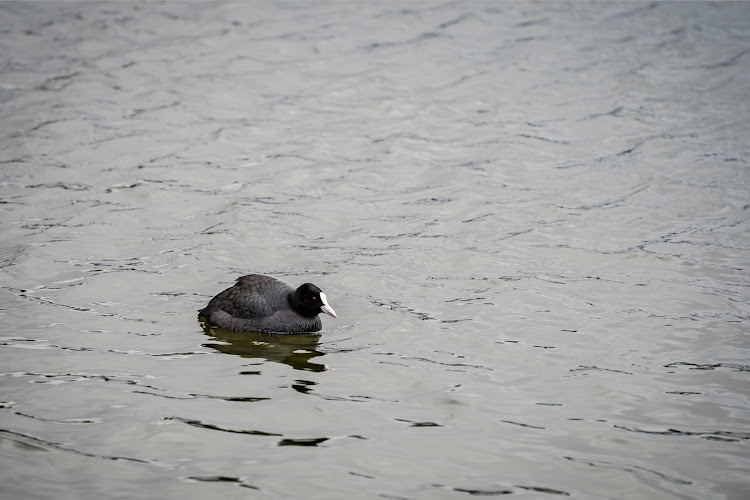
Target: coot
x=259, y=303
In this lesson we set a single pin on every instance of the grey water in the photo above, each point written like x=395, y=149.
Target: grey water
x=532, y=218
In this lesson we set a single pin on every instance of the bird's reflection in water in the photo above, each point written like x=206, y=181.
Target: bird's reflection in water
x=293, y=350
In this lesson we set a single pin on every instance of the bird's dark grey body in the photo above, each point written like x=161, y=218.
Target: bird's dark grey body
x=259, y=303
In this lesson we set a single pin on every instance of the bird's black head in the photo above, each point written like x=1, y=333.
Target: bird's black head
x=309, y=300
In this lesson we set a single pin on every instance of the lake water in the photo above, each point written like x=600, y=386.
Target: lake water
x=533, y=221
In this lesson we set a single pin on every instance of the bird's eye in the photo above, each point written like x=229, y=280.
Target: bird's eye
x=314, y=299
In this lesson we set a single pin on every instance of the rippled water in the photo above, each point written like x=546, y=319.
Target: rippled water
x=531, y=218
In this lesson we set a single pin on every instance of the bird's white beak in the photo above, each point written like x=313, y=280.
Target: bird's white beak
x=325, y=307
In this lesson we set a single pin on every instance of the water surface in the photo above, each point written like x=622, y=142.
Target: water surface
x=531, y=218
